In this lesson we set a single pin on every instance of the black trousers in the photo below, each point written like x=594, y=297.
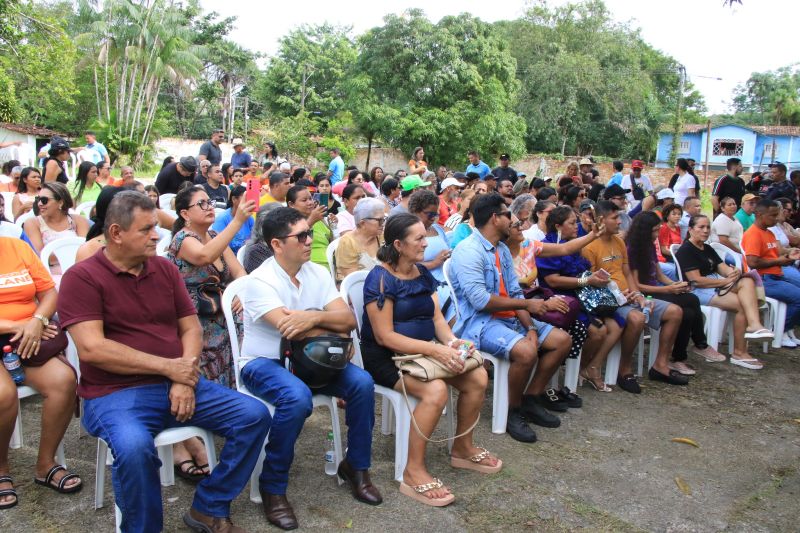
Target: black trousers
x=691, y=325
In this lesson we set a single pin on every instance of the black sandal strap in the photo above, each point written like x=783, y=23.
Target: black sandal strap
x=6, y=479
x=49, y=477
x=8, y=492
x=66, y=478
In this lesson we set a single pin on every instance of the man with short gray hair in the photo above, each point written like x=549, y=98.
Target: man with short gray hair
x=139, y=340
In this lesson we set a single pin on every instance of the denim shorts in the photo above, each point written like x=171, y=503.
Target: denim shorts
x=656, y=314
x=500, y=335
x=705, y=294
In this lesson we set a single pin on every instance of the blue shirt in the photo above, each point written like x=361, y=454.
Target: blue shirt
x=473, y=271
x=241, y=236
x=616, y=178
x=337, y=170
x=482, y=169
x=100, y=149
x=242, y=160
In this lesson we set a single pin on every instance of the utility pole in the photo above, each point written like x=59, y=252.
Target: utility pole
x=246, y=115
x=708, y=146
x=677, y=129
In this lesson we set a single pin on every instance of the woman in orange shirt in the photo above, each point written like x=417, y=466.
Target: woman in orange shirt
x=27, y=301
x=417, y=164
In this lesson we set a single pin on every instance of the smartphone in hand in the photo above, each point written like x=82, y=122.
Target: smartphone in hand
x=323, y=200
x=253, y=191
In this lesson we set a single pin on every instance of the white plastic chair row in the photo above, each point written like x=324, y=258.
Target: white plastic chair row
x=240, y=254
x=330, y=254
x=8, y=212
x=23, y=217
x=237, y=288
x=85, y=209
x=65, y=250
x=394, y=411
x=165, y=200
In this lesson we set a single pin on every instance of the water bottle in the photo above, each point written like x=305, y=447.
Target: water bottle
x=330, y=455
x=13, y=365
x=646, y=308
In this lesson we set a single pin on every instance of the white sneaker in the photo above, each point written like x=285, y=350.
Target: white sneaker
x=793, y=337
x=787, y=342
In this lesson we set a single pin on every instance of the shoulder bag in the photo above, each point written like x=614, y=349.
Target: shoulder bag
x=598, y=301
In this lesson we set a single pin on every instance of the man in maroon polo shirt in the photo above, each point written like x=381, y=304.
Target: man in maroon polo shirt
x=138, y=340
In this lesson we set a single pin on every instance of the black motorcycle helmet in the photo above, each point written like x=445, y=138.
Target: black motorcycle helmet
x=317, y=360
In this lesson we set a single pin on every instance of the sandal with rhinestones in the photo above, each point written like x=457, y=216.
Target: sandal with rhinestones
x=474, y=462
x=418, y=493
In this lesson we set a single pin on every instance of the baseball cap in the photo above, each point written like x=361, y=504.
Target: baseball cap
x=665, y=193
x=518, y=186
x=459, y=176
x=521, y=175
x=489, y=176
x=189, y=163
x=504, y=156
x=238, y=142
x=585, y=161
x=409, y=183
x=614, y=190
x=450, y=181
x=586, y=204
x=749, y=196
x=775, y=164
x=538, y=183
x=636, y=163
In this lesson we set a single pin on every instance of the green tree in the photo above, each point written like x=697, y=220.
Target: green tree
x=770, y=97
x=308, y=72
x=449, y=87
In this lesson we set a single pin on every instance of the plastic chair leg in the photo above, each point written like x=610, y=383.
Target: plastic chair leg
x=16, y=437
x=387, y=416
x=402, y=432
x=255, y=495
x=612, y=364
x=117, y=518
x=100, y=476
x=500, y=397
x=167, y=471
x=654, y=344
x=571, y=371
x=337, y=435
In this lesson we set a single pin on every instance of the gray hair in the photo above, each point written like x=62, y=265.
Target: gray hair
x=17, y=169
x=520, y=203
x=258, y=235
x=366, y=208
x=121, y=209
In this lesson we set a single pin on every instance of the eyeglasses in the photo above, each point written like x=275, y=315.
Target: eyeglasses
x=380, y=221
x=43, y=199
x=517, y=224
x=302, y=237
x=205, y=205
x=504, y=214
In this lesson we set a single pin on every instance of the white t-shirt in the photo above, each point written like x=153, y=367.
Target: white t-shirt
x=642, y=181
x=726, y=227
x=268, y=288
x=780, y=235
x=682, y=187
x=533, y=233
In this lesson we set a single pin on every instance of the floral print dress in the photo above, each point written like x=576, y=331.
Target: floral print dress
x=216, y=359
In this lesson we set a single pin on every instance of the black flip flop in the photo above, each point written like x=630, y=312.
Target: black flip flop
x=63, y=481
x=8, y=492
x=190, y=476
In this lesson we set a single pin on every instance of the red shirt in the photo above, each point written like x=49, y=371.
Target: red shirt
x=140, y=312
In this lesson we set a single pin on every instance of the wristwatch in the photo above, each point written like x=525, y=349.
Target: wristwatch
x=43, y=319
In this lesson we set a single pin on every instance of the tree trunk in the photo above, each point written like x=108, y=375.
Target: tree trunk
x=97, y=94
x=369, y=152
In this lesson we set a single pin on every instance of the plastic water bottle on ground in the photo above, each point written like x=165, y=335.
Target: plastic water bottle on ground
x=330, y=455
x=13, y=364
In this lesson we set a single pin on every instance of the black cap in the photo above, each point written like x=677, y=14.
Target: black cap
x=538, y=183
x=776, y=164
x=473, y=176
x=489, y=176
x=459, y=175
x=189, y=163
x=504, y=156
x=586, y=204
x=614, y=190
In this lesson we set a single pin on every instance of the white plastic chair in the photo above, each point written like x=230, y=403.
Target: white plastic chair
x=8, y=213
x=236, y=288
x=165, y=200
x=163, y=244
x=774, y=310
x=330, y=254
x=85, y=209
x=394, y=407
x=64, y=249
x=240, y=254
x=23, y=217
x=9, y=229
x=25, y=391
x=501, y=367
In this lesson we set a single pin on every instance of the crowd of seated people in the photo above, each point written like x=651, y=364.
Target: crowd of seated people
x=521, y=261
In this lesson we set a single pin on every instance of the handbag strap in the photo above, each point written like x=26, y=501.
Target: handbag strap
x=414, y=420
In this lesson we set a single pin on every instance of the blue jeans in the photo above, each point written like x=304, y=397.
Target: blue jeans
x=129, y=419
x=786, y=289
x=268, y=380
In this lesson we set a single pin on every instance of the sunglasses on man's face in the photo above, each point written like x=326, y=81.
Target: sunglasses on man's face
x=301, y=237
x=504, y=214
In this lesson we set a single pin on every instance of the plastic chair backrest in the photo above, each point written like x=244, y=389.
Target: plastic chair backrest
x=163, y=244
x=240, y=254
x=85, y=209
x=352, y=292
x=446, y=271
x=723, y=250
x=330, y=254
x=165, y=200
x=673, y=249
x=23, y=217
x=8, y=198
x=235, y=288
x=9, y=229
x=65, y=250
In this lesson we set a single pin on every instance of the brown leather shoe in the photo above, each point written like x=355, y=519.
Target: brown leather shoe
x=360, y=484
x=197, y=521
x=278, y=511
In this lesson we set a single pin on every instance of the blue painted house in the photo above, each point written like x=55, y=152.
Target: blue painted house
x=756, y=146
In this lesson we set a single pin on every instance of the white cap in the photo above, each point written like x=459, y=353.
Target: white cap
x=285, y=167
x=238, y=141
x=451, y=181
x=664, y=194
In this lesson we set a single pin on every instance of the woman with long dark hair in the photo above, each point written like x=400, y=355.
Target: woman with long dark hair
x=647, y=274
x=30, y=183
x=686, y=183
x=85, y=188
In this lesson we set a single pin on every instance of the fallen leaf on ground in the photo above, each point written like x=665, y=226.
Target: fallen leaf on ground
x=349, y=524
x=684, y=440
x=683, y=486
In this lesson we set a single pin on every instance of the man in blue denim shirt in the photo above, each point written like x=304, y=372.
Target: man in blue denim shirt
x=494, y=314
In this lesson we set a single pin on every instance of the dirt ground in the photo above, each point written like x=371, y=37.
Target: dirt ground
x=611, y=466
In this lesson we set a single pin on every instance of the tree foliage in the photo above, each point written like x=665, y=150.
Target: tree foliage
x=449, y=87
x=770, y=97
